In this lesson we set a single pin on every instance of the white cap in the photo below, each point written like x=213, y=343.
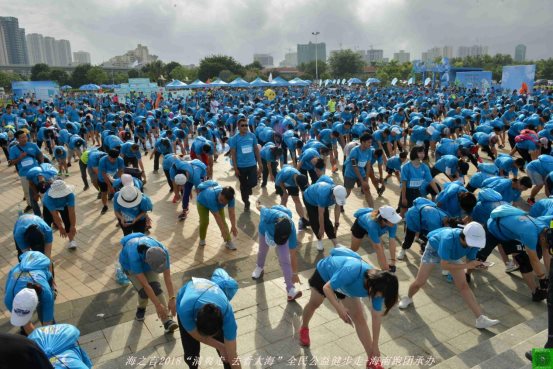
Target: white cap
x=23, y=307
x=389, y=213
x=430, y=130
x=396, y=130
x=475, y=235
x=180, y=179
x=340, y=194
x=126, y=180
x=544, y=140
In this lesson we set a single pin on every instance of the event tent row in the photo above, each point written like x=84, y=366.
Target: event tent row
x=238, y=83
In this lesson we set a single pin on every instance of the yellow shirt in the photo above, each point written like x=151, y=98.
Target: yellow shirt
x=332, y=106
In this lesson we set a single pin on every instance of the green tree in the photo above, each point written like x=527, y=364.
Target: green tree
x=184, y=74
x=6, y=79
x=97, y=75
x=79, y=75
x=227, y=76
x=168, y=68
x=154, y=70
x=211, y=66
x=346, y=64
x=40, y=72
x=133, y=73
x=255, y=65
x=120, y=77
x=309, y=70
x=60, y=76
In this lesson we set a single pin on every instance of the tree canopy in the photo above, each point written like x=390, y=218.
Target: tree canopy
x=211, y=66
x=345, y=64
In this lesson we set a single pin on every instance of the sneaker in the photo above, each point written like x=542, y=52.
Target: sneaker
x=67, y=174
x=170, y=326
x=86, y=187
x=301, y=226
x=202, y=243
x=104, y=210
x=374, y=363
x=183, y=215
x=511, y=267
x=230, y=245
x=155, y=171
x=304, y=337
x=247, y=207
x=484, y=322
x=28, y=208
x=405, y=302
x=531, y=201
x=99, y=196
x=293, y=294
x=72, y=245
x=445, y=273
x=528, y=355
x=392, y=268
x=539, y=295
x=140, y=313
x=501, y=146
x=401, y=254
x=257, y=272
x=320, y=246
x=381, y=190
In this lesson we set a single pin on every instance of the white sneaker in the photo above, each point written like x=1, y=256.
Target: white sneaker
x=511, y=267
x=202, y=242
x=72, y=245
x=401, y=254
x=257, y=272
x=320, y=246
x=484, y=322
x=445, y=273
x=293, y=294
x=405, y=302
x=230, y=245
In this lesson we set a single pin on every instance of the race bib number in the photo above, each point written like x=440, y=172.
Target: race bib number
x=27, y=162
x=415, y=183
x=247, y=149
x=362, y=164
x=128, y=218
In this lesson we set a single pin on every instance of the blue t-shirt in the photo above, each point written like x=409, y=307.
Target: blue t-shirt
x=94, y=158
x=126, y=151
x=28, y=162
x=109, y=168
x=362, y=157
x=23, y=223
x=268, y=218
x=286, y=176
x=199, y=292
x=208, y=197
x=415, y=177
x=374, y=230
x=522, y=228
x=542, y=207
x=447, y=164
x=504, y=186
x=58, y=204
x=446, y=241
x=130, y=214
x=319, y=194
x=394, y=163
x=448, y=199
x=244, y=146
x=133, y=261
x=424, y=216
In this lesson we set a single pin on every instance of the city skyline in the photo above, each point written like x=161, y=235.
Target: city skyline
x=275, y=28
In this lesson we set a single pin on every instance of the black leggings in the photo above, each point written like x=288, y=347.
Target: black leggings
x=64, y=217
x=192, y=348
x=266, y=170
x=248, y=180
x=138, y=227
x=313, y=215
x=84, y=173
x=410, y=237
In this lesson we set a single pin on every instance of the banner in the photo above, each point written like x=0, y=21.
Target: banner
x=480, y=80
x=43, y=90
x=514, y=75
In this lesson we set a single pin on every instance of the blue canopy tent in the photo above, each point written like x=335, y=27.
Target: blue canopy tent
x=298, y=82
x=258, y=82
x=279, y=82
x=66, y=87
x=218, y=83
x=90, y=87
x=197, y=84
x=372, y=80
x=239, y=82
x=354, y=81
x=175, y=85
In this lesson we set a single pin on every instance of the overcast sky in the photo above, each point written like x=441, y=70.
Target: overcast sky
x=188, y=30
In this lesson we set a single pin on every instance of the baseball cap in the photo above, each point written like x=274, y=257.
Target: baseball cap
x=156, y=259
x=389, y=213
x=340, y=194
x=24, y=306
x=475, y=235
x=283, y=228
x=180, y=179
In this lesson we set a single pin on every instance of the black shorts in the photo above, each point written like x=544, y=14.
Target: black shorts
x=293, y=191
x=390, y=171
x=357, y=231
x=103, y=186
x=316, y=282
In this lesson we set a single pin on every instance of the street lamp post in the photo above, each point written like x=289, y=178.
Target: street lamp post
x=316, y=33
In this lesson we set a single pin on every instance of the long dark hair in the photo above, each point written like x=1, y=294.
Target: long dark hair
x=386, y=283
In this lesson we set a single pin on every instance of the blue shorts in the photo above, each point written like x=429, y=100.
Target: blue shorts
x=430, y=256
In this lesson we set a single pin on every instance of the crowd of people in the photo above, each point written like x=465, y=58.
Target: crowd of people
x=315, y=145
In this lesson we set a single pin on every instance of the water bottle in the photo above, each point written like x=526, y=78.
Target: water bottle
x=120, y=276
x=19, y=210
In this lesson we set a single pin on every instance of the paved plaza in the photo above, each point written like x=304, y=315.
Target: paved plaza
x=437, y=331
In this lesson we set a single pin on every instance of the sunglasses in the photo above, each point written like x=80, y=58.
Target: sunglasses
x=243, y=125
